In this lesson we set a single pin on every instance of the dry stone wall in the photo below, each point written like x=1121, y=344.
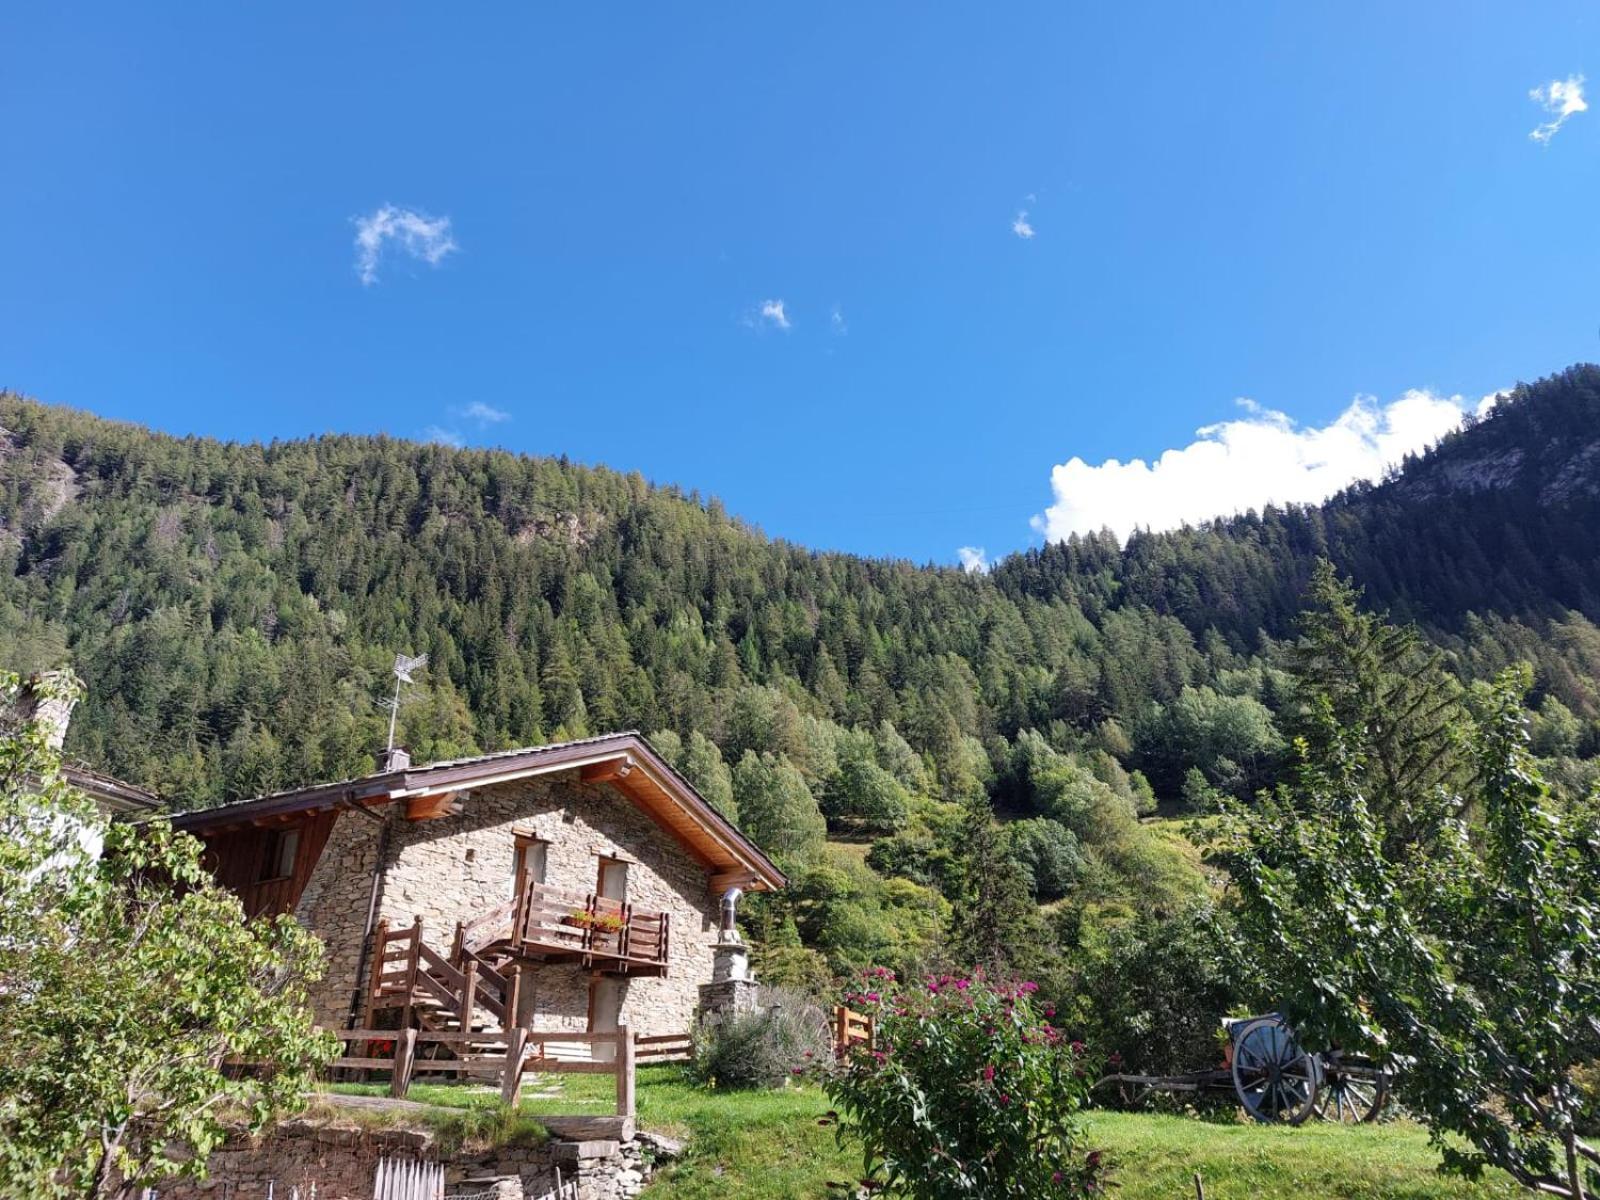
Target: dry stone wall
x=340, y=1162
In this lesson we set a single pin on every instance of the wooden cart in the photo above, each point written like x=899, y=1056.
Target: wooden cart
x=1274, y=1077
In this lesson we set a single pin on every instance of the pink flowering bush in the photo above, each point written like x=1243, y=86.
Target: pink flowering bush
x=967, y=1091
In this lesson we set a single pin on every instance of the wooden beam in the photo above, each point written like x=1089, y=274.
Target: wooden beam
x=721, y=881
x=606, y=771
x=431, y=808
x=276, y=821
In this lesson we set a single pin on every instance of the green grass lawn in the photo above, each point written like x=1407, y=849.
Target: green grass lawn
x=770, y=1146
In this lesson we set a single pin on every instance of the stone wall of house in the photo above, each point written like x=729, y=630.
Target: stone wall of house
x=334, y=906
x=454, y=868
x=341, y=1161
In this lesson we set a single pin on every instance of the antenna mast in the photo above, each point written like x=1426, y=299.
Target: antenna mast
x=403, y=666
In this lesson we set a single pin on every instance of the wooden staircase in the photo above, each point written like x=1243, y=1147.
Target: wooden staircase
x=474, y=989
x=469, y=992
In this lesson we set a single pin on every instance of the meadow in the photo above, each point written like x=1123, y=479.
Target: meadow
x=780, y=1145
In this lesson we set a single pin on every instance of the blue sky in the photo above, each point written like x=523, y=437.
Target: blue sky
x=580, y=215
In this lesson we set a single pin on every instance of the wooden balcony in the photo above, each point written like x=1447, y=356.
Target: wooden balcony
x=549, y=924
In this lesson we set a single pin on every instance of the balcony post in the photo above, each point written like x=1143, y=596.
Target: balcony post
x=625, y=1071
x=511, y=1078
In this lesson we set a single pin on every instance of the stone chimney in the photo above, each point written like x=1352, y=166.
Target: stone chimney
x=732, y=990
x=36, y=704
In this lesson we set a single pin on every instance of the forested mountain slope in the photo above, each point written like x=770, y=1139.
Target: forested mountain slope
x=234, y=608
x=1499, y=518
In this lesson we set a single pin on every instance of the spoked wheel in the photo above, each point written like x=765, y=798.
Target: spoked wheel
x=1351, y=1095
x=1132, y=1095
x=1276, y=1080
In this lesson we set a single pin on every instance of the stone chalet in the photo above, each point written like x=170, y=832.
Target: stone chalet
x=569, y=887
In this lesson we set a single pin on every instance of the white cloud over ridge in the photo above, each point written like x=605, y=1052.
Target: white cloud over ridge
x=1263, y=457
x=772, y=311
x=424, y=238
x=484, y=414
x=1561, y=98
x=1020, y=225
x=440, y=436
x=973, y=559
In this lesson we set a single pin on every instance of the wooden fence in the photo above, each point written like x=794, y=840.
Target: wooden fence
x=666, y=1048
x=851, y=1029
x=404, y=1179
x=403, y=1053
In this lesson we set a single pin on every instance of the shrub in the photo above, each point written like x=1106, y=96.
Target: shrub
x=761, y=1049
x=967, y=1091
x=1050, y=855
x=1152, y=990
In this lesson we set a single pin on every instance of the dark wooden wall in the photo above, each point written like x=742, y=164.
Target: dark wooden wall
x=239, y=857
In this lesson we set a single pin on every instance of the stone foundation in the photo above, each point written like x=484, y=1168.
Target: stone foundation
x=732, y=997
x=341, y=1162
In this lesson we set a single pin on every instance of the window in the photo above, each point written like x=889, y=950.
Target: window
x=613, y=883
x=282, y=848
x=527, y=863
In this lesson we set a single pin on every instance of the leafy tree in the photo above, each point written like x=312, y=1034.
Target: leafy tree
x=1230, y=739
x=1479, y=977
x=703, y=766
x=859, y=920
x=127, y=980
x=776, y=807
x=1153, y=990
x=863, y=796
x=1049, y=854
x=1556, y=730
x=700, y=762
x=897, y=757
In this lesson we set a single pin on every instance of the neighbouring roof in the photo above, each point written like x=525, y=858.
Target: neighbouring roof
x=111, y=794
x=624, y=760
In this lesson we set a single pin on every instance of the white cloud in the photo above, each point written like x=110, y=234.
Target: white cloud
x=973, y=560
x=1260, y=458
x=422, y=237
x=483, y=414
x=1561, y=98
x=836, y=321
x=772, y=311
x=1020, y=225
x=441, y=436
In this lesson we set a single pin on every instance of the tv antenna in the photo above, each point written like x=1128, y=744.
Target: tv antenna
x=404, y=665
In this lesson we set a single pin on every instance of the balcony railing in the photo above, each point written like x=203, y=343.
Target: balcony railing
x=551, y=923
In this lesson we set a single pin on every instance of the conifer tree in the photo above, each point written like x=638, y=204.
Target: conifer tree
x=994, y=924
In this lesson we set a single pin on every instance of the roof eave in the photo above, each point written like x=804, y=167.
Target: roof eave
x=415, y=781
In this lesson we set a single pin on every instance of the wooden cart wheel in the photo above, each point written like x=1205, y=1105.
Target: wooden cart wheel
x=1275, y=1079
x=1349, y=1095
